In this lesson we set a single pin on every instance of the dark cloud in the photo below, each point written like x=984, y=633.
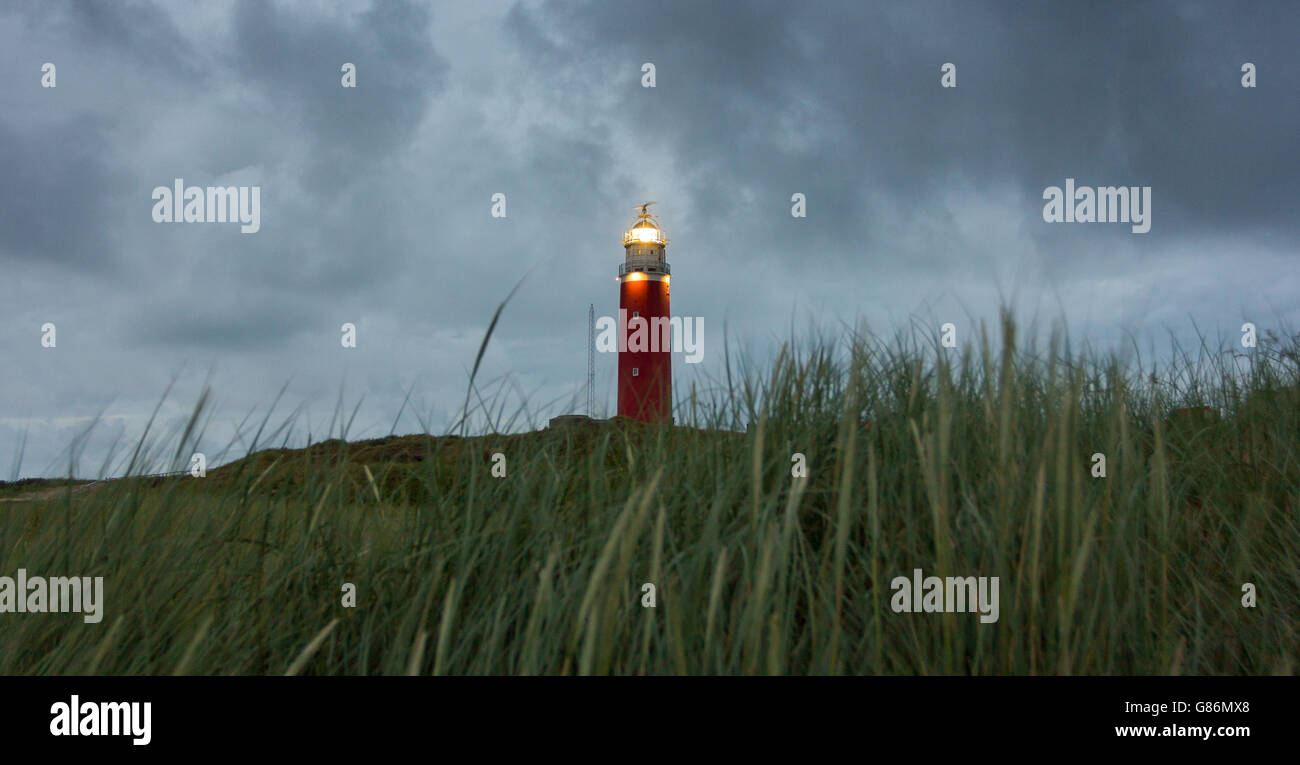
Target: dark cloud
x=839, y=100
x=52, y=202
x=296, y=59
x=132, y=30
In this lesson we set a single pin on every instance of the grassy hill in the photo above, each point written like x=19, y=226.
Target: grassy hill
x=959, y=463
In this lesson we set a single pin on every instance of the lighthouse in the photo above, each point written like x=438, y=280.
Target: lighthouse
x=645, y=366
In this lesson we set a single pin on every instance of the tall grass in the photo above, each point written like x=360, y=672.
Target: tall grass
x=961, y=462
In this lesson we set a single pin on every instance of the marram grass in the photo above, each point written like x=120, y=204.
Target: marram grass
x=964, y=462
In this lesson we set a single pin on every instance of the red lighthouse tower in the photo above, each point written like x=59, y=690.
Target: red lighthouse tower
x=645, y=365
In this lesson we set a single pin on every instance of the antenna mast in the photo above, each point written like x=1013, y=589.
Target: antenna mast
x=591, y=357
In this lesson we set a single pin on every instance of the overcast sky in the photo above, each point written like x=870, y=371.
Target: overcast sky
x=924, y=203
